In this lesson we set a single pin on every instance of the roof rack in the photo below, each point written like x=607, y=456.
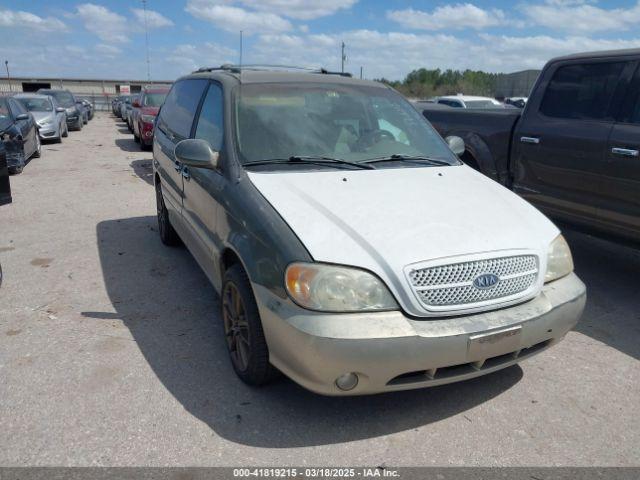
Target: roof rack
x=261, y=67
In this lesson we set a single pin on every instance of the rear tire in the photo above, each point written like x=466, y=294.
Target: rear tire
x=167, y=233
x=244, y=336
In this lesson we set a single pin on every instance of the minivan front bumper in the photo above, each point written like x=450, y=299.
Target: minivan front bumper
x=389, y=351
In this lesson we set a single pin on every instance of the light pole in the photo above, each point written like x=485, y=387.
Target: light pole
x=344, y=57
x=146, y=36
x=6, y=64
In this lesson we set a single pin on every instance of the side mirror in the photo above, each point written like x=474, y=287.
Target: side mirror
x=456, y=144
x=60, y=109
x=196, y=153
x=22, y=116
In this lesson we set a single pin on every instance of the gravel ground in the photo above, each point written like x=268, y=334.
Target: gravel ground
x=111, y=351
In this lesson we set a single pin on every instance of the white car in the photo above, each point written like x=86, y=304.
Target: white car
x=467, y=101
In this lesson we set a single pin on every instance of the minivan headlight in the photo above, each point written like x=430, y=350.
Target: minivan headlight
x=336, y=289
x=559, y=260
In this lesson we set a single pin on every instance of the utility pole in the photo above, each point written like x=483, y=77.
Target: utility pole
x=344, y=57
x=6, y=64
x=146, y=35
x=360, y=73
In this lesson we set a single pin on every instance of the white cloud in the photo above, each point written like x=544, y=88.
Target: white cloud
x=109, y=26
x=154, y=19
x=582, y=16
x=234, y=19
x=109, y=51
x=300, y=9
x=393, y=54
x=459, y=16
x=186, y=57
x=27, y=20
x=260, y=16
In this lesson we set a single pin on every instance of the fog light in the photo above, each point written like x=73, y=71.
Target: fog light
x=348, y=381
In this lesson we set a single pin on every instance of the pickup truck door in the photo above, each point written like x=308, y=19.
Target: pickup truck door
x=620, y=211
x=203, y=188
x=560, y=142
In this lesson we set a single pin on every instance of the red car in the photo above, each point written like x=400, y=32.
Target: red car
x=145, y=110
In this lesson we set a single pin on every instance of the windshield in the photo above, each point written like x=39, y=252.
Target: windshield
x=480, y=104
x=348, y=122
x=154, y=99
x=64, y=98
x=36, y=104
x=5, y=116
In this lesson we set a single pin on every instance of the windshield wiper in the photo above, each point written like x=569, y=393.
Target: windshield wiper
x=409, y=158
x=319, y=160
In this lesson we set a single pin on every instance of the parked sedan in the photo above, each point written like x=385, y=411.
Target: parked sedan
x=126, y=100
x=5, y=187
x=50, y=117
x=468, y=101
x=131, y=111
x=150, y=103
x=19, y=133
x=66, y=99
x=83, y=111
x=89, y=107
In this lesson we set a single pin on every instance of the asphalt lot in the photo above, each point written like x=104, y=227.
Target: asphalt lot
x=111, y=351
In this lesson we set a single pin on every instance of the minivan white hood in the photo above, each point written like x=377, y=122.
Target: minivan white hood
x=383, y=220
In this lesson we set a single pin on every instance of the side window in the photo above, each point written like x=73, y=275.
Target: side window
x=582, y=91
x=180, y=107
x=210, y=122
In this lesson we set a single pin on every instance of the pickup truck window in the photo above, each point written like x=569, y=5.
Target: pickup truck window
x=582, y=91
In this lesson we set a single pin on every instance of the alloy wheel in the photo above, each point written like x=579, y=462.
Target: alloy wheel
x=236, y=326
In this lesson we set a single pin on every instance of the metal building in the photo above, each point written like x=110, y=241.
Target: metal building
x=517, y=84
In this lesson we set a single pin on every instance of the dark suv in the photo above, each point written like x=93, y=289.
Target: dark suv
x=75, y=114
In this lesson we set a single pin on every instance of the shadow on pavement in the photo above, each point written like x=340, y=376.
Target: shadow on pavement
x=143, y=169
x=611, y=272
x=172, y=312
x=127, y=144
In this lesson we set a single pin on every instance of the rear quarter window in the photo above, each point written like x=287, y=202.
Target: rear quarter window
x=180, y=106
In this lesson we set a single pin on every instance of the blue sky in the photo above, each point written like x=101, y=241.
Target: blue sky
x=105, y=39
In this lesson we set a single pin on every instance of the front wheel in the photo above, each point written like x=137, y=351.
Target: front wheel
x=65, y=131
x=167, y=233
x=38, y=151
x=243, y=329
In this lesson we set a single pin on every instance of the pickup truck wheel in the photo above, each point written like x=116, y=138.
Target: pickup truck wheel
x=243, y=329
x=167, y=234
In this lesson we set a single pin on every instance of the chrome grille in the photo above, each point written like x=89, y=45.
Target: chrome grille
x=452, y=285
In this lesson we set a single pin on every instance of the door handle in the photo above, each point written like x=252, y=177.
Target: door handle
x=625, y=152
x=532, y=140
x=185, y=173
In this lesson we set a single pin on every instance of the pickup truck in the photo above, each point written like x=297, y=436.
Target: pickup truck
x=573, y=151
